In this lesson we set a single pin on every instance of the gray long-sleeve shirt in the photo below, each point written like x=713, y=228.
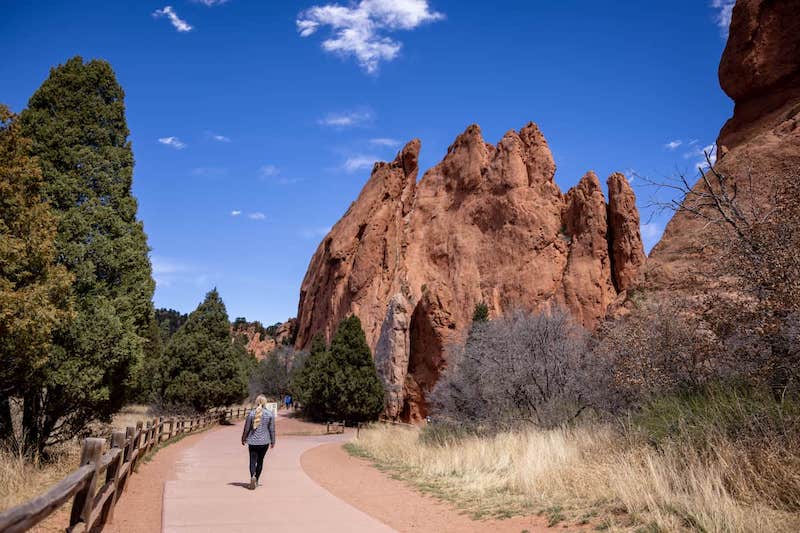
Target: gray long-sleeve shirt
x=264, y=433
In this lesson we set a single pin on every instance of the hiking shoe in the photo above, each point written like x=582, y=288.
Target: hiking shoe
x=253, y=482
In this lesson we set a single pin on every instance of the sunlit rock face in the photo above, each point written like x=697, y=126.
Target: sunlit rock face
x=760, y=71
x=486, y=224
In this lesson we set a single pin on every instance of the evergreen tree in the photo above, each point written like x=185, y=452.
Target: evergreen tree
x=34, y=291
x=481, y=313
x=203, y=366
x=314, y=383
x=147, y=375
x=169, y=321
x=359, y=389
x=76, y=122
x=341, y=381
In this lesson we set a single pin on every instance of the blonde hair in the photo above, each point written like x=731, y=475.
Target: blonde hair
x=261, y=402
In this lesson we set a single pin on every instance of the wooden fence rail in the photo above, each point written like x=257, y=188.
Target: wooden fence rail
x=100, y=479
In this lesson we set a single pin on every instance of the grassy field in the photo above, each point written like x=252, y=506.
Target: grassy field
x=596, y=475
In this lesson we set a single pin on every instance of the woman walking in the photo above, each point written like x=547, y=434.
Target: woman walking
x=259, y=434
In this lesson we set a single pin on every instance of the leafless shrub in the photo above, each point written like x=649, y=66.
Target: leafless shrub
x=522, y=369
x=753, y=223
x=658, y=349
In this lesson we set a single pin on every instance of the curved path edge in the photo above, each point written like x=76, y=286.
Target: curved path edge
x=396, y=503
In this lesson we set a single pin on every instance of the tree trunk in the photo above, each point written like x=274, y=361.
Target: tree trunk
x=6, y=427
x=31, y=428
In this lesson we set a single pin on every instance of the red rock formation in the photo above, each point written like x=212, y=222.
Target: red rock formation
x=487, y=224
x=356, y=267
x=392, y=352
x=259, y=343
x=624, y=230
x=286, y=332
x=760, y=71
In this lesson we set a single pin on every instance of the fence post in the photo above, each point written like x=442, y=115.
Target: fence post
x=112, y=475
x=138, y=444
x=130, y=432
x=159, y=430
x=148, y=438
x=171, y=428
x=91, y=450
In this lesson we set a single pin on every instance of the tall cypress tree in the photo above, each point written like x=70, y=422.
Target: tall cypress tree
x=34, y=291
x=360, y=391
x=314, y=383
x=203, y=366
x=340, y=381
x=76, y=121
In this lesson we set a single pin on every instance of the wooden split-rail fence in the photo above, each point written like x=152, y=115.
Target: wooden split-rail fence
x=102, y=475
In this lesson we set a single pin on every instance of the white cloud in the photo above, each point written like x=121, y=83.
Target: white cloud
x=177, y=22
x=167, y=272
x=651, y=233
x=383, y=141
x=210, y=3
x=673, y=144
x=267, y=171
x=723, y=16
x=700, y=153
x=272, y=173
x=359, y=162
x=289, y=181
x=235, y=213
x=630, y=175
x=315, y=233
x=257, y=216
x=346, y=119
x=220, y=138
x=174, y=142
x=210, y=172
x=359, y=29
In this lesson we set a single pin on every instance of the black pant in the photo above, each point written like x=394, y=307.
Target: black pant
x=257, y=453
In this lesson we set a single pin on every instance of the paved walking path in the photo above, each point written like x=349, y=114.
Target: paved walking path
x=211, y=494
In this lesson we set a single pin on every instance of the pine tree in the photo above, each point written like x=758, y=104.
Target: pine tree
x=314, y=383
x=34, y=291
x=360, y=392
x=481, y=313
x=76, y=122
x=341, y=381
x=203, y=366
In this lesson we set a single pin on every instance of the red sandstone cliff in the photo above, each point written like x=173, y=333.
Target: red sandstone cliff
x=487, y=224
x=260, y=342
x=760, y=71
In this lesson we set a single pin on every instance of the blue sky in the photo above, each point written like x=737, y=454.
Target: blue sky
x=255, y=122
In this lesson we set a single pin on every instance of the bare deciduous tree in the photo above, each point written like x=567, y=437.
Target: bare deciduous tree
x=521, y=369
x=657, y=349
x=753, y=224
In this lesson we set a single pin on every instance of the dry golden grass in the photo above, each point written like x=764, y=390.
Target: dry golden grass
x=583, y=474
x=22, y=479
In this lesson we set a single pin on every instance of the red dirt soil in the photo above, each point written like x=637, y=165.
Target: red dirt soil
x=393, y=502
